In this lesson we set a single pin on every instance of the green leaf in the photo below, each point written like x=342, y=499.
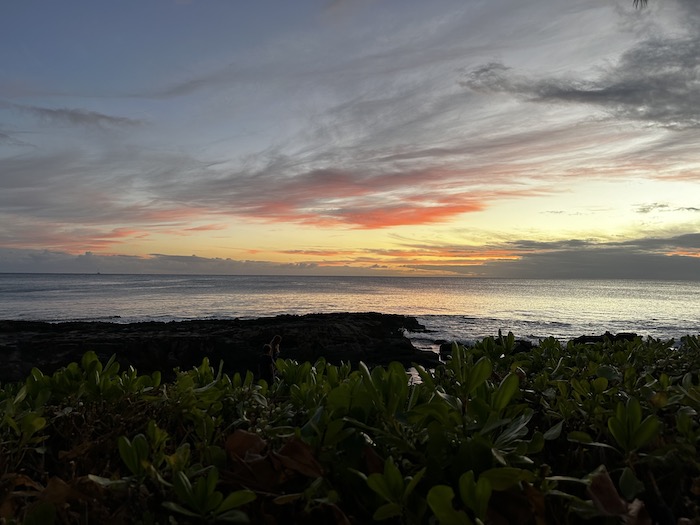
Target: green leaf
x=339, y=398
x=578, y=436
x=646, y=431
x=371, y=388
x=503, y=478
x=90, y=361
x=426, y=377
x=386, y=511
x=379, y=485
x=213, y=501
x=599, y=385
x=455, y=362
x=183, y=486
x=175, y=507
x=32, y=423
x=479, y=373
x=582, y=387
x=233, y=516
x=475, y=495
x=440, y=502
x=394, y=479
x=413, y=483
x=140, y=445
x=21, y=395
x=452, y=401
x=608, y=372
x=212, y=480
x=467, y=488
x=684, y=421
x=236, y=499
x=554, y=432
x=200, y=495
x=515, y=430
x=633, y=413
x=109, y=483
x=536, y=444
x=505, y=392
x=619, y=432
x=128, y=454
x=630, y=485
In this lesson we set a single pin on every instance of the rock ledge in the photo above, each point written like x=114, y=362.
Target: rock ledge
x=376, y=339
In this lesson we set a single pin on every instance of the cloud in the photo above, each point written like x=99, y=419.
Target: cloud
x=664, y=207
x=675, y=257
x=10, y=140
x=648, y=208
x=656, y=81
x=599, y=264
x=77, y=116
x=643, y=258
x=403, y=121
x=205, y=81
x=47, y=261
x=364, y=199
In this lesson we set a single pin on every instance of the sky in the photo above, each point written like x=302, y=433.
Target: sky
x=475, y=138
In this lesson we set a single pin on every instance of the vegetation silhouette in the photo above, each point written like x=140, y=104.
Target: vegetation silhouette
x=561, y=433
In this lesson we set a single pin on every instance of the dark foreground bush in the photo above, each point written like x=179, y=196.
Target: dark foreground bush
x=561, y=434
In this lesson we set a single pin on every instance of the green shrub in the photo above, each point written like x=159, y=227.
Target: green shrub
x=563, y=433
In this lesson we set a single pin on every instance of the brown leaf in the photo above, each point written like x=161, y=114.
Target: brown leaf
x=298, y=456
x=76, y=452
x=375, y=463
x=340, y=517
x=537, y=503
x=59, y=492
x=604, y=494
x=695, y=487
x=243, y=444
x=11, y=481
x=259, y=473
x=637, y=514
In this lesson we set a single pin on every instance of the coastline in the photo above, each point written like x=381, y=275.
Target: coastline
x=374, y=338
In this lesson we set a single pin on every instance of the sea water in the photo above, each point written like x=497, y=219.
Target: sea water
x=462, y=309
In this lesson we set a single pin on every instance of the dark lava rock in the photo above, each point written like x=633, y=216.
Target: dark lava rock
x=607, y=336
x=376, y=339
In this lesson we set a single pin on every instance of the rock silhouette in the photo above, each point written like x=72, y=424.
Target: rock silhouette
x=376, y=339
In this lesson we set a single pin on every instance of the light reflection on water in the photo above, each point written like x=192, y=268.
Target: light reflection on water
x=460, y=308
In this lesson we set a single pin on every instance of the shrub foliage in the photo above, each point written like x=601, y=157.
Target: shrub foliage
x=563, y=433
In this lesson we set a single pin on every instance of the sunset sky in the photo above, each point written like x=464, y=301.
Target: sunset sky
x=545, y=138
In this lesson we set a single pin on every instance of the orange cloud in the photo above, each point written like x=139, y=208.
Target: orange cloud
x=406, y=215
x=440, y=257
x=206, y=227
x=79, y=240
x=684, y=253
x=331, y=198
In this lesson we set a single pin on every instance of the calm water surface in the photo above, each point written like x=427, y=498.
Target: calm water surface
x=452, y=308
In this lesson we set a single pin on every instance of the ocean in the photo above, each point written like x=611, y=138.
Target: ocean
x=462, y=309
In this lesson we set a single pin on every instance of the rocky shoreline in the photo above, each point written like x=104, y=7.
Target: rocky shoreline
x=376, y=339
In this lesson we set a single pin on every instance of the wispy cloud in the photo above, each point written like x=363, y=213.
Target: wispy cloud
x=643, y=258
x=365, y=121
x=657, y=82
x=660, y=207
x=653, y=258
x=367, y=199
x=75, y=116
